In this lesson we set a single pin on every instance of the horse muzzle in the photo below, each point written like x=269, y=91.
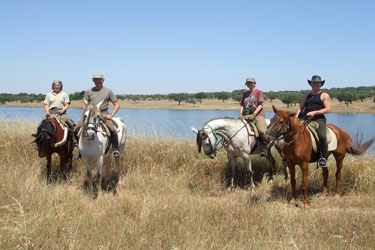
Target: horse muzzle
x=212, y=155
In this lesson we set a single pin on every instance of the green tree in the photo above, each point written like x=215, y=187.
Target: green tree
x=180, y=97
x=223, y=95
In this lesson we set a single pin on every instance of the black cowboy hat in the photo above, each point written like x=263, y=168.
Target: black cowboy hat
x=316, y=78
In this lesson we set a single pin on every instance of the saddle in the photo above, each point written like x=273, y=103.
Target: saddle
x=331, y=137
x=251, y=128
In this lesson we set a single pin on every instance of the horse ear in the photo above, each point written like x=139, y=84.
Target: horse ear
x=194, y=130
x=292, y=114
x=274, y=109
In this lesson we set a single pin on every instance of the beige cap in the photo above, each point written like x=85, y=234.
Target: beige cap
x=98, y=76
x=250, y=79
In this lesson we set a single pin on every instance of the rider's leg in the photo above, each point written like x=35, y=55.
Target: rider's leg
x=261, y=126
x=73, y=135
x=113, y=138
x=323, y=146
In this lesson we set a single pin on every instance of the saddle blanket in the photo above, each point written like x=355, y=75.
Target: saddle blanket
x=331, y=137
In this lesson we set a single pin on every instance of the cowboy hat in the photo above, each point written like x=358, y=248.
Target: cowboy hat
x=316, y=78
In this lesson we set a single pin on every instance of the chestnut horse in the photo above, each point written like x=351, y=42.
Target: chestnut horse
x=298, y=149
x=52, y=137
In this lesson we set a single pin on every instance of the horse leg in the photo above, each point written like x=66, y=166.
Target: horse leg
x=305, y=171
x=232, y=165
x=279, y=149
x=325, y=181
x=271, y=161
x=63, y=164
x=339, y=162
x=49, y=160
x=292, y=171
x=99, y=165
x=250, y=173
x=88, y=174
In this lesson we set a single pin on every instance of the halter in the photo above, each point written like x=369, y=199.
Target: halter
x=280, y=132
x=218, y=140
x=213, y=149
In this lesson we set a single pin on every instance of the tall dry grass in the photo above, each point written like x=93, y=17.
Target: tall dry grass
x=173, y=198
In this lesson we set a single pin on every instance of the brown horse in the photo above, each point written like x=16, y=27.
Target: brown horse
x=52, y=137
x=298, y=149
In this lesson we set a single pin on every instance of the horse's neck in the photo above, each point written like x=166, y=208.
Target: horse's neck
x=297, y=129
x=224, y=127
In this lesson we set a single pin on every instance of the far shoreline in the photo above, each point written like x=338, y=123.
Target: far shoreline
x=357, y=107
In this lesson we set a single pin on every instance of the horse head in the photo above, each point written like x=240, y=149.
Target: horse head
x=279, y=126
x=208, y=139
x=91, y=118
x=44, y=137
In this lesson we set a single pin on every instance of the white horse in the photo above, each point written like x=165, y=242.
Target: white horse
x=236, y=140
x=94, y=143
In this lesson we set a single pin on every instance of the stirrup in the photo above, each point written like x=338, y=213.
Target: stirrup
x=75, y=144
x=78, y=157
x=263, y=153
x=116, y=154
x=322, y=163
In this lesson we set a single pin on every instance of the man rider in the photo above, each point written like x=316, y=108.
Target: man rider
x=313, y=106
x=99, y=94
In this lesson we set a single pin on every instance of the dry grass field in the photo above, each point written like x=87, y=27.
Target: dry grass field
x=173, y=198
x=367, y=106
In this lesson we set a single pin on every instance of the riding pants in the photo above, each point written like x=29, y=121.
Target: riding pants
x=322, y=137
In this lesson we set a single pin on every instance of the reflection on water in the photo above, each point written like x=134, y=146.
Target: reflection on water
x=177, y=123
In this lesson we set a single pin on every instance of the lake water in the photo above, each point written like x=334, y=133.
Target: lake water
x=177, y=123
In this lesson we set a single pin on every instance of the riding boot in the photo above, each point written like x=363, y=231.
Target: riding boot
x=116, y=152
x=322, y=162
x=74, y=138
x=262, y=147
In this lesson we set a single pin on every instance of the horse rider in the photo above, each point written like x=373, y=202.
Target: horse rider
x=313, y=106
x=252, y=110
x=103, y=95
x=56, y=103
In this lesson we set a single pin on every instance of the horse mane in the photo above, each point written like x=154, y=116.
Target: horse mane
x=44, y=129
x=224, y=118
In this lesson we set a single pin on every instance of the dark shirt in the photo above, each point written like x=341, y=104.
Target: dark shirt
x=312, y=103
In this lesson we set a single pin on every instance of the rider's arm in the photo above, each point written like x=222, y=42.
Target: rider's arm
x=46, y=109
x=115, y=109
x=65, y=108
x=326, y=99
x=301, y=106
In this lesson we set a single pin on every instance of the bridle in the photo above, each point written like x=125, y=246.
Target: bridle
x=276, y=134
x=218, y=140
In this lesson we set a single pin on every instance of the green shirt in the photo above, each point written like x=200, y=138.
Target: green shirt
x=58, y=101
x=103, y=96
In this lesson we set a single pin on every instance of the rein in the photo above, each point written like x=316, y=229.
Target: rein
x=214, y=149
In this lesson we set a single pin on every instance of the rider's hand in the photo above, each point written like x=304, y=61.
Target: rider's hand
x=310, y=114
x=251, y=117
x=109, y=116
x=61, y=111
x=47, y=114
x=240, y=116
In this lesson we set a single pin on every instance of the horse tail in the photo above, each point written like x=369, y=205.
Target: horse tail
x=199, y=140
x=359, y=149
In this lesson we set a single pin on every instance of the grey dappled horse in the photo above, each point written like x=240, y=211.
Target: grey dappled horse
x=94, y=143
x=233, y=135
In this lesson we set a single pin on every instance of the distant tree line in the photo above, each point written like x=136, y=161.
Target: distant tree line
x=343, y=95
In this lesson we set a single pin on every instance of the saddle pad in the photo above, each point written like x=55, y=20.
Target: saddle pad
x=251, y=128
x=331, y=137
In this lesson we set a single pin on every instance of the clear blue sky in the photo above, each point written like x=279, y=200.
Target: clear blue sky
x=151, y=47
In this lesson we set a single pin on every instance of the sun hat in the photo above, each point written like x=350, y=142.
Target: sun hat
x=250, y=79
x=98, y=76
x=316, y=78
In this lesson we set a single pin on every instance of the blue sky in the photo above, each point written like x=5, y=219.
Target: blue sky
x=151, y=47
